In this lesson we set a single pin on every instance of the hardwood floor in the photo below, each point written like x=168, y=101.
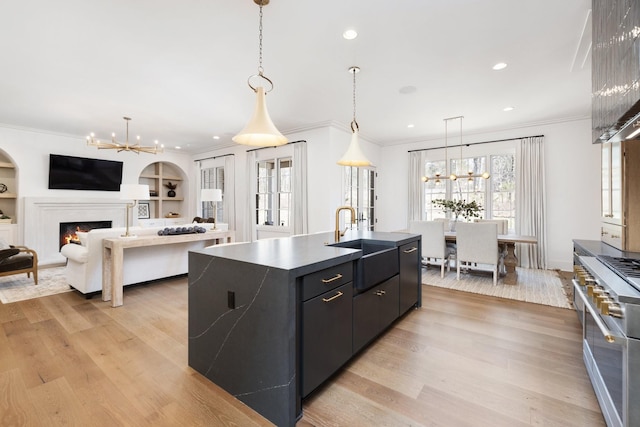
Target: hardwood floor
x=461, y=360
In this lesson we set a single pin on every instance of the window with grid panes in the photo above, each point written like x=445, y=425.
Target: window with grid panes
x=274, y=195
x=213, y=178
x=360, y=194
x=496, y=195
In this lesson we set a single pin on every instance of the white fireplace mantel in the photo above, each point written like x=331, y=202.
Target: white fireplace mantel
x=42, y=218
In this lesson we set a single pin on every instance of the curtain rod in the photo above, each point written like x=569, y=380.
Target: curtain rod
x=275, y=146
x=476, y=143
x=215, y=157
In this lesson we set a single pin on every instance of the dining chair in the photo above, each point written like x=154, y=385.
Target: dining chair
x=477, y=242
x=503, y=224
x=434, y=245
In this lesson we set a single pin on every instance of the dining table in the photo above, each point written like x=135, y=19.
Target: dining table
x=507, y=244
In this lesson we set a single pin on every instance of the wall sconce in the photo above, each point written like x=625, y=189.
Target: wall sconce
x=133, y=192
x=212, y=195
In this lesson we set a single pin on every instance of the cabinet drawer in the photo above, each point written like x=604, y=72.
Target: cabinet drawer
x=326, y=335
x=322, y=281
x=374, y=310
x=612, y=235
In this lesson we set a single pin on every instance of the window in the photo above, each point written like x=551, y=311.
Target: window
x=360, y=194
x=496, y=195
x=213, y=178
x=273, y=197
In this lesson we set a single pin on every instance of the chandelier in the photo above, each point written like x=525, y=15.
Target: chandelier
x=470, y=175
x=260, y=131
x=118, y=146
x=354, y=155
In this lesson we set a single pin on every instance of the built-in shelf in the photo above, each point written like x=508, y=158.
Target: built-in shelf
x=9, y=197
x=156, y=176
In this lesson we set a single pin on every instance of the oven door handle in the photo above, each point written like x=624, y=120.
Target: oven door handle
x=608, y=335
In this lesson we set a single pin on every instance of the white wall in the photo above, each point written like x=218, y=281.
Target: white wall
x=29, y=150
x=572, y=181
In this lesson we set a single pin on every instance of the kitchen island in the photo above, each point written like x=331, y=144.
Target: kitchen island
x=270, y=321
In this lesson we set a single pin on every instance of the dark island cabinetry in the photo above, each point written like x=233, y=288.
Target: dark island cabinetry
x=326, y=339
x=271, y=320
x=374, y=310
x=410, y=272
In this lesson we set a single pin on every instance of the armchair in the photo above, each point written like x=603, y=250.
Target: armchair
x=19, y=259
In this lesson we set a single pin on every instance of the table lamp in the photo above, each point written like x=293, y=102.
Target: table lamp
x=133, y=192
x=212, y=195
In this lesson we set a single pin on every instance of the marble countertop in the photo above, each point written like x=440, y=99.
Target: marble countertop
x=306, y=253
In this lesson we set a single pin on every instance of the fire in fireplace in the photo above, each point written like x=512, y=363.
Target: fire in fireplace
x=68, y=230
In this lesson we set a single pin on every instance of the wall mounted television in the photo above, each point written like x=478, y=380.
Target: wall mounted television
x=80, y=173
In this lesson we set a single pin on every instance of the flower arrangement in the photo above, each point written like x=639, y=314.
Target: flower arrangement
x=459, y=208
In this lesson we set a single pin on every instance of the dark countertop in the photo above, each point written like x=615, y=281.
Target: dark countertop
x=304, y=254
x=596, y=247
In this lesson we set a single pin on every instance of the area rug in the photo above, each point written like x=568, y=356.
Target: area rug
x=535, y=286
x=51, y=281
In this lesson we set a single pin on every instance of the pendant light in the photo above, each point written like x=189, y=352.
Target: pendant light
x=354, y=155
x=437, y=176
x=260, y=131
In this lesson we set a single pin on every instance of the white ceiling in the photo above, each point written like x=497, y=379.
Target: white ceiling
x=180, y=68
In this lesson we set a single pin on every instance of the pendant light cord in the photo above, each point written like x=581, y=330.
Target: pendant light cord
x=260, y=69
x=354, y=123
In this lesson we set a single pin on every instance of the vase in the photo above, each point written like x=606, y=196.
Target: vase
x=452, y=225
x=171, y=193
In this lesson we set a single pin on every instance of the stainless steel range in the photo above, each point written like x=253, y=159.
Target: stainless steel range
x=607, y=299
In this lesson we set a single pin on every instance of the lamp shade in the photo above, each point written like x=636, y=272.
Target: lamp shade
x=354, y=155
x=211, y=195
x=260, y=131
x=134, y=192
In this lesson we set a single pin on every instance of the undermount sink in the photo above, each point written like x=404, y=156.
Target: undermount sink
x=378, y=263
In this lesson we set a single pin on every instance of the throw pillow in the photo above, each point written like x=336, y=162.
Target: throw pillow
x=4, y=244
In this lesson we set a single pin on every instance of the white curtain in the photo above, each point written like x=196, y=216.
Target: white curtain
x=197, y=178
x=249, y=229
x=531, y=202
x=229, y=208
x=416, y=186
x=300, y=213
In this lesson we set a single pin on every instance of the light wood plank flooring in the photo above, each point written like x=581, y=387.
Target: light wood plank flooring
x=461, y=360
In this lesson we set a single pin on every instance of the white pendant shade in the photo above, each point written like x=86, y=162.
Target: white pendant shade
x=354, y=155
x=260, y=131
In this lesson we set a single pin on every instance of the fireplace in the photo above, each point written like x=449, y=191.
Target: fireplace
x=68, y=230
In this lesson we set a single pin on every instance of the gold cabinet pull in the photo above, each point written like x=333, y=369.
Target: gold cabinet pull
x=338, y=295
x=336, y=277
x=380, y=293
x=408, y=251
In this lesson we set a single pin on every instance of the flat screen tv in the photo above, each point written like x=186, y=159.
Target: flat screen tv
x=80, y=173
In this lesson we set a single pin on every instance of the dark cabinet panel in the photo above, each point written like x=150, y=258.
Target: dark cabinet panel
x=374, y=310
x=410, y=279
x=326, y=335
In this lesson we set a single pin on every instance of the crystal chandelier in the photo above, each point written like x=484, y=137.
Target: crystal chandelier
x=118, y=146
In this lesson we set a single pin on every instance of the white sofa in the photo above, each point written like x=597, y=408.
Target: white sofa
x=84, y=261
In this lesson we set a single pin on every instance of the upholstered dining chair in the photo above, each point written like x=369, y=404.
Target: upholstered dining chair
x=477, y=242
x=503, y=224
x=19, y=259
x=434, y=245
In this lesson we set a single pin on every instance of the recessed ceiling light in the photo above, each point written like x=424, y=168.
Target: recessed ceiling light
x=350, y=34
x=177, y=147
x=500, y=66
x=216, y=137
x=508, y=109
x=410, y=126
